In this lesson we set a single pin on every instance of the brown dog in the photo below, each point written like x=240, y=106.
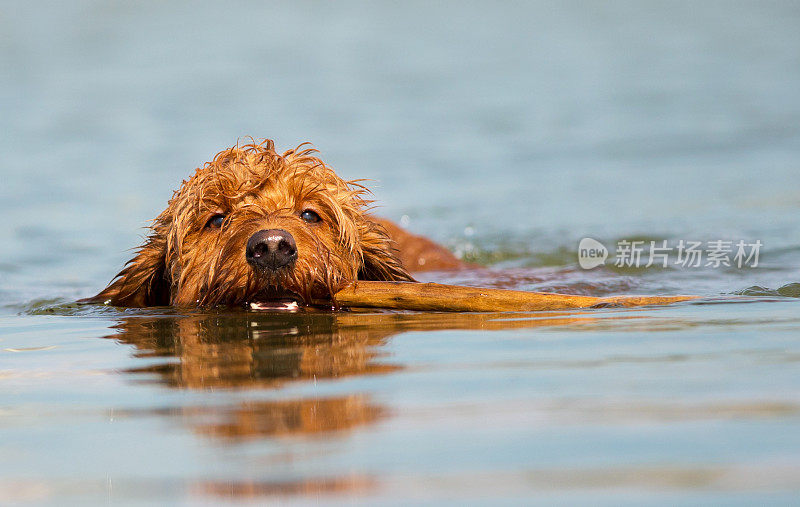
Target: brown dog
x=272, y=231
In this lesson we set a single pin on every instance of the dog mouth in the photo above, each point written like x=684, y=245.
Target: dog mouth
x=277, y=300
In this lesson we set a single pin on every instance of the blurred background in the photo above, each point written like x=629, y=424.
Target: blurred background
x=507, y=130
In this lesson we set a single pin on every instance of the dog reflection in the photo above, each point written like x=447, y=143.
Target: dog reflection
x=315, y=416
x=258, y=351
x=261, y=350
x=227, y=351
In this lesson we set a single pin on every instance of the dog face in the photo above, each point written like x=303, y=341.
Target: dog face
x=255, y=227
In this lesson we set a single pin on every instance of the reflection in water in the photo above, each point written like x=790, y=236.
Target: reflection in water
x=285, y=418
x=257, y=350
x=267, y=350
x=250, y=351
x=305, y=487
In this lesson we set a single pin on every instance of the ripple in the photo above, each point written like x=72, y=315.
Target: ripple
x=790, y=290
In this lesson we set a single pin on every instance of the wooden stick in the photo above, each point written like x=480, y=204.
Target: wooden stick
x=450, y=298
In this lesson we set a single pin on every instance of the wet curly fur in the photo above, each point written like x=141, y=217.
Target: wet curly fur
x=187, y=262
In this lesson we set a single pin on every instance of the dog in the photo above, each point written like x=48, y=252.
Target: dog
x=270, y=231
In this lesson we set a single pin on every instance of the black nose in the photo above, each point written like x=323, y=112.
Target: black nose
x=271, y=249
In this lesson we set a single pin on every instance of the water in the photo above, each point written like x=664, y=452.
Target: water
x=507, y=132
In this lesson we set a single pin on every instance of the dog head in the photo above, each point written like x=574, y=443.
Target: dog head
x=256, y=227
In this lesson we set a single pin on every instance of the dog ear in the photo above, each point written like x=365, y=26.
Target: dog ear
x=143, y=281
x=381, y=262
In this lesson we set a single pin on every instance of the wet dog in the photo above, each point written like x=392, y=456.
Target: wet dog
x=267, y=230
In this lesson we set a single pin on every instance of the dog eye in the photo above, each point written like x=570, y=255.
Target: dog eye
x=310, y=216
x=215, y=222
